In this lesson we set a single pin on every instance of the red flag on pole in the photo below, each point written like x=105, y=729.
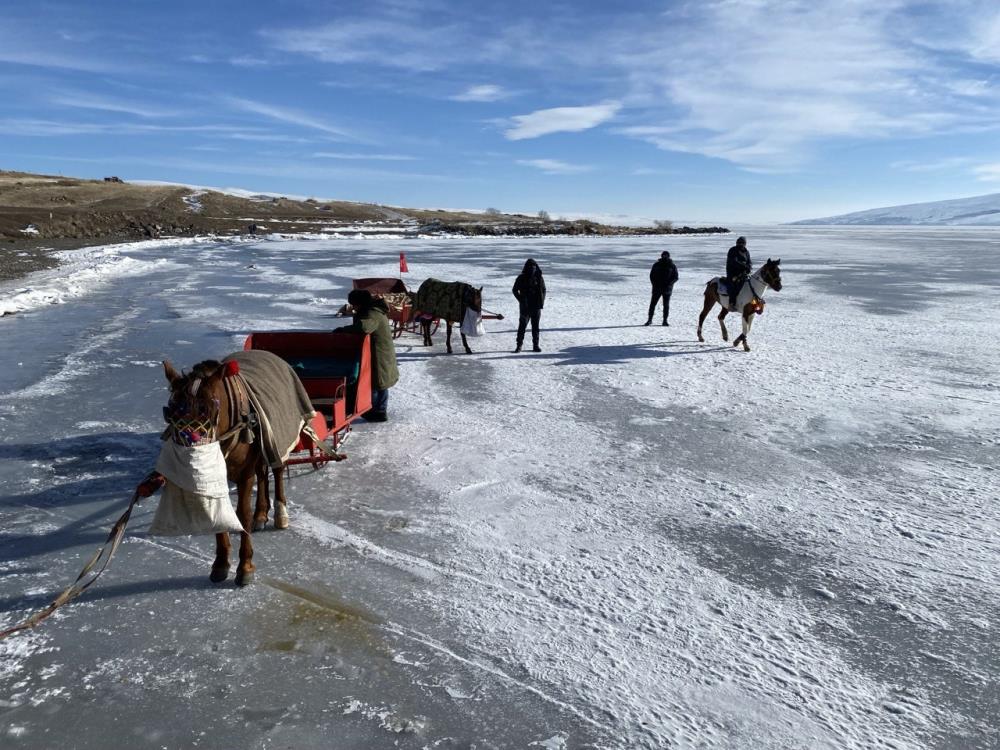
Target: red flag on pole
x=402, y=263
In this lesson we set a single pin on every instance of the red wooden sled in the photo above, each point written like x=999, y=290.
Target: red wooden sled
x=336, y=370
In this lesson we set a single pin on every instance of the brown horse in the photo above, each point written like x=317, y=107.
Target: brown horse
x=448, y=301
x=205, y=405
x=750, y=300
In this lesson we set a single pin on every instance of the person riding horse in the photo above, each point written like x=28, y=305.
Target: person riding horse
x=738, y=269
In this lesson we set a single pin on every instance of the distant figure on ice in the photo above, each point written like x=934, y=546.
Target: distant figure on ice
x=529, y=288
x=738, y=269
x=663, y=276
x=371, y=316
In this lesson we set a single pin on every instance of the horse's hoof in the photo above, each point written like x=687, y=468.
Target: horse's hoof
x=260, y=525
x=701, y=339
x=244, y=578
x=219, y=574
x=281, y=522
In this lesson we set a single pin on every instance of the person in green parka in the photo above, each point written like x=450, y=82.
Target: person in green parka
x=371, y=317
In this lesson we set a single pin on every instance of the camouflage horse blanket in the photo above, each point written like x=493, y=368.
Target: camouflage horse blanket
x=443, y=299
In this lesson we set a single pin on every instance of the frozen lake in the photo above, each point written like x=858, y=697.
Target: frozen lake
x=630, y=540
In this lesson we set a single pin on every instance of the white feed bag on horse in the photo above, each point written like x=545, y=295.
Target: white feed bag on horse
x=472, y=323
x=195, y=498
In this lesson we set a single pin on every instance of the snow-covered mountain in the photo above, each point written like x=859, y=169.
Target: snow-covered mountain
x=982, y=210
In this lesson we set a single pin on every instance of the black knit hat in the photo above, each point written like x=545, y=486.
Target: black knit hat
x=360, y=298
x=665, y=255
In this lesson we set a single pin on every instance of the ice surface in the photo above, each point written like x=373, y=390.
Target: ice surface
x=631, y=540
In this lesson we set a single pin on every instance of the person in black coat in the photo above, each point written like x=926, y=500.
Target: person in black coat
x=738, y=268
x=529, y=288
x=663, y=276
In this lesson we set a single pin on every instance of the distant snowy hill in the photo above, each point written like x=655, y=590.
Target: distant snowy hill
x=983, y=210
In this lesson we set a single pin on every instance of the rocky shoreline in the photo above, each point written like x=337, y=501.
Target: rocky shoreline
x=43, y=214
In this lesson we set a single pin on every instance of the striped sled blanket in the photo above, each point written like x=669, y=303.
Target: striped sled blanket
x=443, y=299
x=195, y=498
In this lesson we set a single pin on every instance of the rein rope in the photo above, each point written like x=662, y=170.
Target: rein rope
x=88, y=576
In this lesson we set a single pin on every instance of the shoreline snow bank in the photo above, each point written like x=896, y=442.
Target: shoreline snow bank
x=82, y=270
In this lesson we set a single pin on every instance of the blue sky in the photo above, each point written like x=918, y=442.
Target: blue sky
x=717, y=111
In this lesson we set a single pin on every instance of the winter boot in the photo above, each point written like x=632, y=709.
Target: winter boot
x=648, y=322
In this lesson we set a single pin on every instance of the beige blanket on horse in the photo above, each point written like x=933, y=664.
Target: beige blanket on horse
x=281, y=402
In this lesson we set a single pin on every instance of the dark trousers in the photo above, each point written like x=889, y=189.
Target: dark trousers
x=380, y=400
x=735, y=286
x=522, y=324
x=657, y=293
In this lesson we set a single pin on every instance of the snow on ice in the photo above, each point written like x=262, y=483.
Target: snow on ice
x=630, y=540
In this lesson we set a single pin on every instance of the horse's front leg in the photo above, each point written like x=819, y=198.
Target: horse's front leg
x=448, y=340
x=710, y=300
x=220, y=568
x=263, y=504
x=722, y=323
x=742, y=338
x=280, y=511
x=465, y=343
x=425, y=327
x=244, y=487
x=747, y=325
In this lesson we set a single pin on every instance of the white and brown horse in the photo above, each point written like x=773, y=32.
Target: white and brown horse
x=750, y=300
x=203, y=406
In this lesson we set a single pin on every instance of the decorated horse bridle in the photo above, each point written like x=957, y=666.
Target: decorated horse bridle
x=189, y=426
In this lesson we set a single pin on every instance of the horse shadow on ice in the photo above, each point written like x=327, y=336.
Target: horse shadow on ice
x=101, y=470
x=605, y=354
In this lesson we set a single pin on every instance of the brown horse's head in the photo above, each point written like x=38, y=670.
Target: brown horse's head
x=770, y=274
x=192, y=413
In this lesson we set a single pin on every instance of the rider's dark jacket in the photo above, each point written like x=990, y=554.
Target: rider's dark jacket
x=738, y=262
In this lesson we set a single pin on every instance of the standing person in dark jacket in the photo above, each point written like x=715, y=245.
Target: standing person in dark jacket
x=663, y=276
x=371, y=317
x=738, y=268
x=529, y=288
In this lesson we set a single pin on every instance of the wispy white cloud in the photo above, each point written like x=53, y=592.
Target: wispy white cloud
x=249, y=61
x=21, y=46
x=82, y=100
x=649, y=171
x=561, y=120
x=800, y=74
x=935, y=165
x=33, y=127
x=554, y=166
x=363, y=157
x=988, y=172
x=284, y=168
x=293, y=117
x=240, y=135
x=385, y=42
x=487, y=92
